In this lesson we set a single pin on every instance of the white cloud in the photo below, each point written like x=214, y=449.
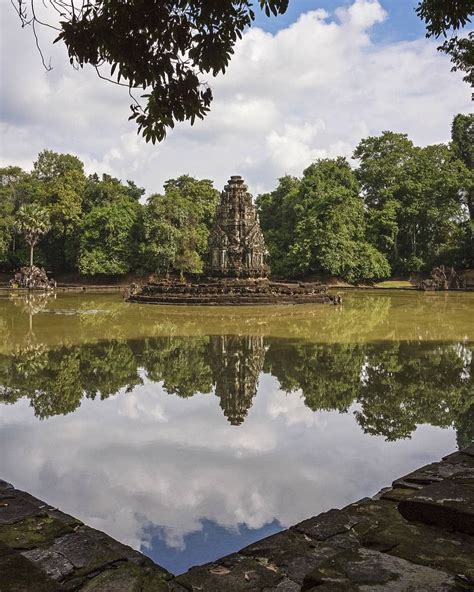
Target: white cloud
x=119, y=467
x=311, y=90
x=362, y=14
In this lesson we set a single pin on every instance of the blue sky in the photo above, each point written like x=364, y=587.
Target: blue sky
x=402, y=23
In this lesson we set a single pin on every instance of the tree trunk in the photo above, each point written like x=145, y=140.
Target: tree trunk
x=31, y=255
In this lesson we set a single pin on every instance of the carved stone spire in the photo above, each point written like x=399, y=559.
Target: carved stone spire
x=236, y=246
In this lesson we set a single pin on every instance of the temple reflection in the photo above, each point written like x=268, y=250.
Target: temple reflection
x=236, y=364
x=391, y=387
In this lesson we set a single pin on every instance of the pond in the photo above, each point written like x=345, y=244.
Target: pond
x=191, y=432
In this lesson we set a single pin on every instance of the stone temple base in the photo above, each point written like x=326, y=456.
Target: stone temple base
x=228, y=292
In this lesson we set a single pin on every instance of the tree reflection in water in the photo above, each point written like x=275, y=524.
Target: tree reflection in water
x=391, y=387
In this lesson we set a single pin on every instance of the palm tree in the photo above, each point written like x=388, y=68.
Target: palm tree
x=32, y=221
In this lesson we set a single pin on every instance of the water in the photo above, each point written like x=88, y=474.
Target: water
x=191, y=432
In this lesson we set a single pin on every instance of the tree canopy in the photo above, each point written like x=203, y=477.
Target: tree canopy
x=32, y=221
x=324, y=228
x=397, y=209
x=177, y=225
x=447, y=17
x=415, y=202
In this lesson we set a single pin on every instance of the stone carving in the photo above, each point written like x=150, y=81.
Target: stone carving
x=443, y=278
x=32, y=278
x=236, y=245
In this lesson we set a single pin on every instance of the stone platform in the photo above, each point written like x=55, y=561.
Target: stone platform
x=233, y=292
x=417, y=535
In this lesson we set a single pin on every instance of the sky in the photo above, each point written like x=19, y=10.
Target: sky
x=180, y=483
x=307, y=85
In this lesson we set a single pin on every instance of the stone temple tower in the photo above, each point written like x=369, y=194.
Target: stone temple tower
x=236, y=246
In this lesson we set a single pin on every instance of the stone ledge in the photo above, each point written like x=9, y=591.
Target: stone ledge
x=231, y=292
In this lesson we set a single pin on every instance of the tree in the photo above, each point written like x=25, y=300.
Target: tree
x=17, y=187
x=61, y=182
x=278, y=221
x=159, y=47
x=9, y=180
x=177, y=225
x=99, y=190
x=414, y=200
x=324, y=231
x=32, y=221
x=449, y=16
x=109, y=239
x=462, y=138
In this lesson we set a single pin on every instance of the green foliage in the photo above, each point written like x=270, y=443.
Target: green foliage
x=55, y=381
x=180, y=363
x=109, y=239
x=404, y=209
x=462, y=135
x=98, y=224
x=32, y=221
x=414, y=200
x=176, y=225
x=61, y=182
x=324, y=228
x=278, y=221
x=9, y=180
x=17, y=188
x=106, y=189
x=444, y=19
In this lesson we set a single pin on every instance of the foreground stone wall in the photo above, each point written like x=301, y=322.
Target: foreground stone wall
x=417, y=535
x=45, y=550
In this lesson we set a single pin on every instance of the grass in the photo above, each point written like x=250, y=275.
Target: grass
x=394, y=284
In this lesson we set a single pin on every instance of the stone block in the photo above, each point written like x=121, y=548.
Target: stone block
x=448, y=504
x=326, y=525
x=32, y=532
x=462, y=465
x=368, y=570
x=292, y=553
x=81, y=552
x=234, y=573
x=17, y=574
x=126, y=577
x=14, y=508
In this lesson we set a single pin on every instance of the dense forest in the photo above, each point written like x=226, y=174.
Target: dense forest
x=396, y=209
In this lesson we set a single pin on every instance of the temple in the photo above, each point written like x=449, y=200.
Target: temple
x=235, y=273
x=236, y=245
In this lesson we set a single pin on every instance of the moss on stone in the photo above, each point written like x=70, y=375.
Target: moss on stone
x=32, y=532
x=128, y=577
